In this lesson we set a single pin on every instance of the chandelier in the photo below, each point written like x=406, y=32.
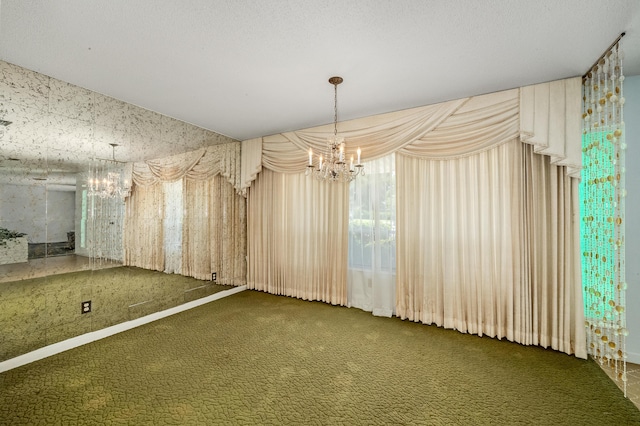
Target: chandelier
x=333, y=167
x=106, y=181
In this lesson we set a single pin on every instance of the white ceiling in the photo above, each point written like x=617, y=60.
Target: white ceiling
x=254, y=68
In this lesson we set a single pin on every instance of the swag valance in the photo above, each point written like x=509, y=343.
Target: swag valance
x=201, y=164
x=545, y=115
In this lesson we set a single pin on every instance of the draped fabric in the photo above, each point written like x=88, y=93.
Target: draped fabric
x=251, y=161
x=549, y=117
x=371, y=275
x=186, y=215
x=489, y=246
x=545, y=115
x=143, y=228
x=458, y=245
x=215, y=238
x=196, y=259
x=464, y=207
x=203, y=163
x=297, y=237
x=552, y=219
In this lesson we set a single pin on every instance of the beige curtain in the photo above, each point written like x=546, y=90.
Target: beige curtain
x=471, y=253
x=214, y=235
x=297, y=237
x=488, y=244
x=196, y=247
x=143, y=228
x=552, y=220
x=203, y=163
x=195, y=196
x=251, y=162
x=545, y=115
x=550, y=120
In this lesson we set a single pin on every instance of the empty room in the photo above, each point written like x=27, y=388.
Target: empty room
x=407, y=212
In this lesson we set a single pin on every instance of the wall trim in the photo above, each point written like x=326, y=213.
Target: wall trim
x=633, y=358
x=84, y=339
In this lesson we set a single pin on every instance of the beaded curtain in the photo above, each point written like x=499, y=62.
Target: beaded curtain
x=602, y=195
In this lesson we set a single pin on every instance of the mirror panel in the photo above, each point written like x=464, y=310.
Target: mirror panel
x=59, y=140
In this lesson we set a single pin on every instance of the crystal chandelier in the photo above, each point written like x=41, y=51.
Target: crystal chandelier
x=333, y=167
x=106, y=181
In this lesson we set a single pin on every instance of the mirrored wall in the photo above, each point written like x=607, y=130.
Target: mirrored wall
x=62, y=148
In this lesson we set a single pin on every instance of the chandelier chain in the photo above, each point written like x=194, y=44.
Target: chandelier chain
x=335, y=109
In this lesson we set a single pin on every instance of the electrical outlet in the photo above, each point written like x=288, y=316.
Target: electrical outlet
x=85, y=307
x=214, y=275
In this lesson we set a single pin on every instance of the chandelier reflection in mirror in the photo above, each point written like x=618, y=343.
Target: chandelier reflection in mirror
x=4, y=123
x=333, y=166
x=106, y=179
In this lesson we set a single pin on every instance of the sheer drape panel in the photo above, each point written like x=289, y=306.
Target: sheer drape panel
x=144, y=230
x=297, y=237
x=173, y=227
x=372, y=242
x=457, y=243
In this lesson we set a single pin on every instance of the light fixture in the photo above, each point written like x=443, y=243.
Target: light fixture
x=333, y=167
x=106, y=182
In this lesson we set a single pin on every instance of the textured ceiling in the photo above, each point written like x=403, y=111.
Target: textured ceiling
x=253, y=68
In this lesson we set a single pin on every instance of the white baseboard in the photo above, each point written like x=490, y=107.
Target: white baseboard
x=83, y=339
x=633, y=357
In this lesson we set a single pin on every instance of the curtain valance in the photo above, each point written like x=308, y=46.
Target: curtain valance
x=251, y=160
x=545, y=115
x=550, y=120
x=201, y=164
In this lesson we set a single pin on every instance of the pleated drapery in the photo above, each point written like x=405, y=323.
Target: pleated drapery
x=488, y=246
x=144, y=227
x=545, y=115
x=467, y=208
x=297, y=237
x=201, y=164
x=186, y=215
x=215, y=238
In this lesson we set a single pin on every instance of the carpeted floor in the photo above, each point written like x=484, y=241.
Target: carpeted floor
x=254, y=358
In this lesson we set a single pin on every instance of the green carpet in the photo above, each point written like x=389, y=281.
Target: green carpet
x=254, y=358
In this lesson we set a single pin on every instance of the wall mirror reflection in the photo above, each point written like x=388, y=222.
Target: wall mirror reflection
x=66, y=190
